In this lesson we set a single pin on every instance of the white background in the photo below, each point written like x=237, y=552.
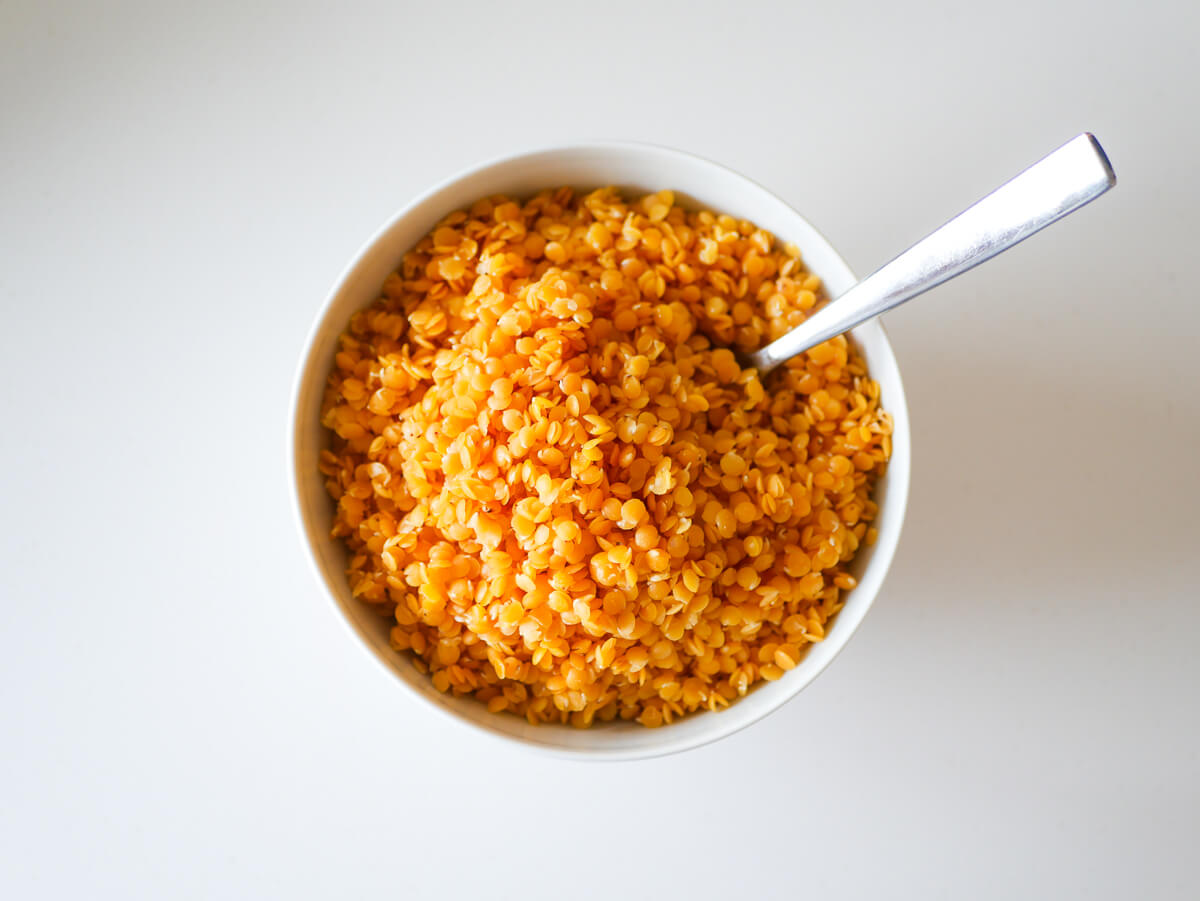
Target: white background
x=182, y=714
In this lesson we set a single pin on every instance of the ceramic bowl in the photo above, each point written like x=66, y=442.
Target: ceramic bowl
x=634, y=168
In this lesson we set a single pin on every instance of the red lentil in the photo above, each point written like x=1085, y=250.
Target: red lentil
x=553, y=475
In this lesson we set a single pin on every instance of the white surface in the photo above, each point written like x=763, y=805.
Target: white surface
x=635, y=168
x=184, y=716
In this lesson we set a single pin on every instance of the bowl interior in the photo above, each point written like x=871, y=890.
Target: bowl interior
x=635, y=168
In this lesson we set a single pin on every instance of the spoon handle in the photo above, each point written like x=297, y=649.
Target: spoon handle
x=1071, y=176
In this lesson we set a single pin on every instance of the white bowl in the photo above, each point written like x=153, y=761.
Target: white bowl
x=634, y=167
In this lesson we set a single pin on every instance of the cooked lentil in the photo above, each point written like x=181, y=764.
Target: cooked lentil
x=554, y=476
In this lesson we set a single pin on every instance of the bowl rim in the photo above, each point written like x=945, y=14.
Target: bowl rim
x=722, y=725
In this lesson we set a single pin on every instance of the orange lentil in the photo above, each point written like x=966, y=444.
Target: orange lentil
x=725, y=523
x=745, y=512
x=646, y=537
x=732, y=464
x=561, y=486
x=787, y=656
x=633, y=511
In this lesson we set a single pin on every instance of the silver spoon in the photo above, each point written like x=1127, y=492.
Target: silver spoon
x=1071, y=176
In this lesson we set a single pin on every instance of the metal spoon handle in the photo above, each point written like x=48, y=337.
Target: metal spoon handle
x=1071, y=176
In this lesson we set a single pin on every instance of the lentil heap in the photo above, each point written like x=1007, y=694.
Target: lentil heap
x=554, y=476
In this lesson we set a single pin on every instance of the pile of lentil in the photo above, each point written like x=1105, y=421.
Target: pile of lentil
x=552, y=473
